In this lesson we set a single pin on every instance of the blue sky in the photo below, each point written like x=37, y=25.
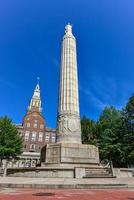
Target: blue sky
x=30, y=42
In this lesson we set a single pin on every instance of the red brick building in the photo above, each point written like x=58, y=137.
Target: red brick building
x=34, y=132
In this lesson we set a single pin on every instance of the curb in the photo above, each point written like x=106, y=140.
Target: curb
x=64, y=186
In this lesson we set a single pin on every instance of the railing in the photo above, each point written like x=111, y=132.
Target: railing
x=107, y=164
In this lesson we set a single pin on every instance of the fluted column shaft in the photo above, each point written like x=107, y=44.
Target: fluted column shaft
x=68, y=125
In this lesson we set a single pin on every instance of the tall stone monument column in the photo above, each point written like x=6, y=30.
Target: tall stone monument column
x=68, y=120
x=68, y=150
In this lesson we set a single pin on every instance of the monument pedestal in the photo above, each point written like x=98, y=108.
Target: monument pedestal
x=73, y=154
x=71, y=159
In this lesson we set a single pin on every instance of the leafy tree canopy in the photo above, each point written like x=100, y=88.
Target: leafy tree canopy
x=127, y=130
x=106, y=134
x=10, y=140
x=88, y=131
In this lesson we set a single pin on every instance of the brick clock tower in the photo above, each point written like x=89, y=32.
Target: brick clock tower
x=34, y=126
x=34, y=132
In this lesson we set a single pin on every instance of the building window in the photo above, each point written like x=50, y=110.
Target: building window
x=41, y=126
x=35, y=125
x=28, y=124
x=40, y=136
x=47, y=137
x=33, y=136
x=27, y=135
x=53, y=138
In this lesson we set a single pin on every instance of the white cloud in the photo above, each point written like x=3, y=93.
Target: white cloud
x=107, y=91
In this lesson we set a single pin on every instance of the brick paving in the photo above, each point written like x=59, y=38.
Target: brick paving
x=66, y=194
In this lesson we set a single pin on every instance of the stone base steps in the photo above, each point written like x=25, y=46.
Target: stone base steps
x=98, y=172
x=99, y=176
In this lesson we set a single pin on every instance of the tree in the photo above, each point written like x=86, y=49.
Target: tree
x=10, y=141
x=128, y=131
x=108, y=134
x=88, y=131
x=113, y=133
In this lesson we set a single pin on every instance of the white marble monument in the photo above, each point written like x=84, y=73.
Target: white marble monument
x=68, y=124
x=68, y=150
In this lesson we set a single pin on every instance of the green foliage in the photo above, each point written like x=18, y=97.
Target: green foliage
x=128, y=131
x=10, y=140
x=113, y=133
x=108, y=129
x=88, y=131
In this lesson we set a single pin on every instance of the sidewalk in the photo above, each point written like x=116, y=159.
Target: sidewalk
x=52, y=183
x=65, y=194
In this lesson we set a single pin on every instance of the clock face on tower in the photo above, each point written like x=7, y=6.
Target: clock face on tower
x=37, y=94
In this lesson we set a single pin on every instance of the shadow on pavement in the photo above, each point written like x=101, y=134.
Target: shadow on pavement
x=43, y=194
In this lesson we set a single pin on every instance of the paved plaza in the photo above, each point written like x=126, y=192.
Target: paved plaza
x=73, y=194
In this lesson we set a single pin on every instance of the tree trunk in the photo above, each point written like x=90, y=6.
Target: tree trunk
x=5, y=168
